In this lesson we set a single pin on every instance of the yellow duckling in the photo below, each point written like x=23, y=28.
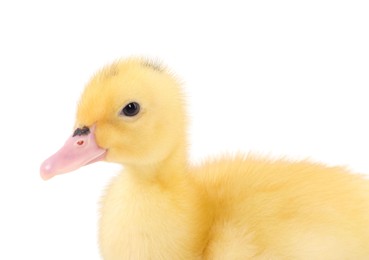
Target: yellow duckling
x=242, y=207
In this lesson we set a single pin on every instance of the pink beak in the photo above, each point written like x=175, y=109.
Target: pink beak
x=79, y=150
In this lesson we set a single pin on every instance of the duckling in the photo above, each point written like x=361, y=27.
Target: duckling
x=161, y=206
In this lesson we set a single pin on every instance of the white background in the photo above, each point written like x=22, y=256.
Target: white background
x=281, y=78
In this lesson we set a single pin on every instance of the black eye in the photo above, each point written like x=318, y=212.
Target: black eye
x=131, y=109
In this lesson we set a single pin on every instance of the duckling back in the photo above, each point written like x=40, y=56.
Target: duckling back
x=285, y=210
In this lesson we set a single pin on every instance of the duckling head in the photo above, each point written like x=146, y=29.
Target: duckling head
x=131, y=112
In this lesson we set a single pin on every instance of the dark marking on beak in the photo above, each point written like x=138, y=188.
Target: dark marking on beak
x=81, y=131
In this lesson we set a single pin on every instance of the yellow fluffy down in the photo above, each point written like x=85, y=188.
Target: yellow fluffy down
x=234, y=207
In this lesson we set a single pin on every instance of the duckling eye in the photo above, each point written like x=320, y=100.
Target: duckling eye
x=130, y=109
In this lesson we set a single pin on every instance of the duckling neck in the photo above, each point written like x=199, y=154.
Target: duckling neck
x=164, y=171
x=169, y=217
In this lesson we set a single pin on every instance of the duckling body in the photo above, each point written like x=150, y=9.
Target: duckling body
x=239, y=208
x=163, y=207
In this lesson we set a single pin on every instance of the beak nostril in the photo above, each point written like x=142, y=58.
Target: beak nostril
x=80, y=142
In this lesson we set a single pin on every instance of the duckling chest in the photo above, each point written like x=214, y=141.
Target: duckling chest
x=139, y=222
